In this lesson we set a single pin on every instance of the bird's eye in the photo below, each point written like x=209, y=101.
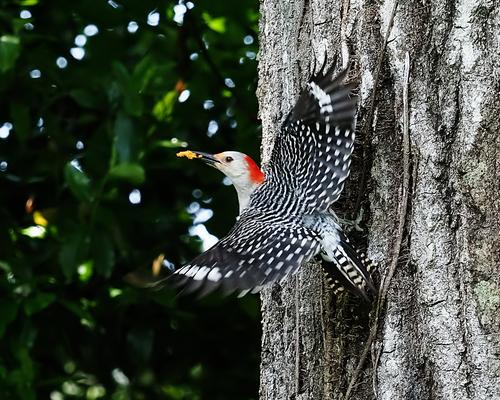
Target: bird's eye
x=229, y=159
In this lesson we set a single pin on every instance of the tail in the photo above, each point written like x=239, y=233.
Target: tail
x=350, y=270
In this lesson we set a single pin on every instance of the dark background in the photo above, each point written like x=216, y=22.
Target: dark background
x=90, y=190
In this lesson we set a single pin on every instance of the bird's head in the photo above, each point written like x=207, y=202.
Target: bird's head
x=243, y=172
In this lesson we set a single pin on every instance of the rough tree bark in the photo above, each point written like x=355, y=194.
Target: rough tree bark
x=439, y=332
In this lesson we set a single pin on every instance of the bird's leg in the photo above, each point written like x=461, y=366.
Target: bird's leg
x=349, y=224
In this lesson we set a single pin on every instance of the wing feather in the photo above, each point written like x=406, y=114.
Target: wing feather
x=311, y=156
x=257, y=252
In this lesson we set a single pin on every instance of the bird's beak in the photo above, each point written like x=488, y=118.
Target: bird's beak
x=208, y=158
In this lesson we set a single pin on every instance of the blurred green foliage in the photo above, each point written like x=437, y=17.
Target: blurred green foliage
x=96, y=97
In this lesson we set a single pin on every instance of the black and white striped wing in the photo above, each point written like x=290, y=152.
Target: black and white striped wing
x=257, y=252
x=311, y=156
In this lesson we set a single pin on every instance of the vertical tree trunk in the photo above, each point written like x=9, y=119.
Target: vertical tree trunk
x=439, y=334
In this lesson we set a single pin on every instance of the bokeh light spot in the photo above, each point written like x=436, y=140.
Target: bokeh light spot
x=184, y=96
x=132, y=27
x=203, y=215
x=77, y=52
x=208, y=104
x=55, y=395
x=248, y=39
x=213, y=127
x=35, y=73
x=193, y=207
x=91, y=30
x=80, y=40
x=61, y=62
x=229, y=83
x=25, y=14
x=207, y=239
x=120, y=377
x=179, y=11
x=5, y=130
x=135, y=196
x=153, y=18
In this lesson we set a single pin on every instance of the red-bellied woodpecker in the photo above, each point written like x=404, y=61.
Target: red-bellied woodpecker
x=285, y=219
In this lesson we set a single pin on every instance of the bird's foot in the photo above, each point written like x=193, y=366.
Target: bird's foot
x=349, y=224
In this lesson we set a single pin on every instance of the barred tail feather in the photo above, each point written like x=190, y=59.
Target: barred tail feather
x=350, y=270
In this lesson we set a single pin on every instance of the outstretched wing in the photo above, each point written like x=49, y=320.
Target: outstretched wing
x=311, y=156
x=309, y=163
x=260, y=249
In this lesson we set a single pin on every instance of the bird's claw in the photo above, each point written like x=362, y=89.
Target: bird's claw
x=349, y=224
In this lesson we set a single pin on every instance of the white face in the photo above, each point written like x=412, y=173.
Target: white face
x=239, y=168
x=234, y=165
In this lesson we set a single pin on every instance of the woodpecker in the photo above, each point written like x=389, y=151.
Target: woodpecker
x=285, y=216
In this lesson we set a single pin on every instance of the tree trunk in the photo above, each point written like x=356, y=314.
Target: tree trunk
x=438, y=336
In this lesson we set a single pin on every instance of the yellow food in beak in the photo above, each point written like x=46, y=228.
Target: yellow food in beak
x=188, y=154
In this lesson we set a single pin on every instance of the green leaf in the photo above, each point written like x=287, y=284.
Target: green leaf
x=38, y=302
x=144, y=71
x=179, y=392
x=79, y=310
x=103, y=253
x=21, y=120
x=78, y=182
x=84, y=98
x=132, y=100
x=125, y=140
x=121, y=73
x=24, y=375
x=216, y=24
x=34, y=232
x=5, y=266
x=140, y=344
x=72, y=252
x=26, y=336
x=196, y=372
x=85, y=271
x=8, y=312
x=163, y=109
x=132, y=173
x=10, y=48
